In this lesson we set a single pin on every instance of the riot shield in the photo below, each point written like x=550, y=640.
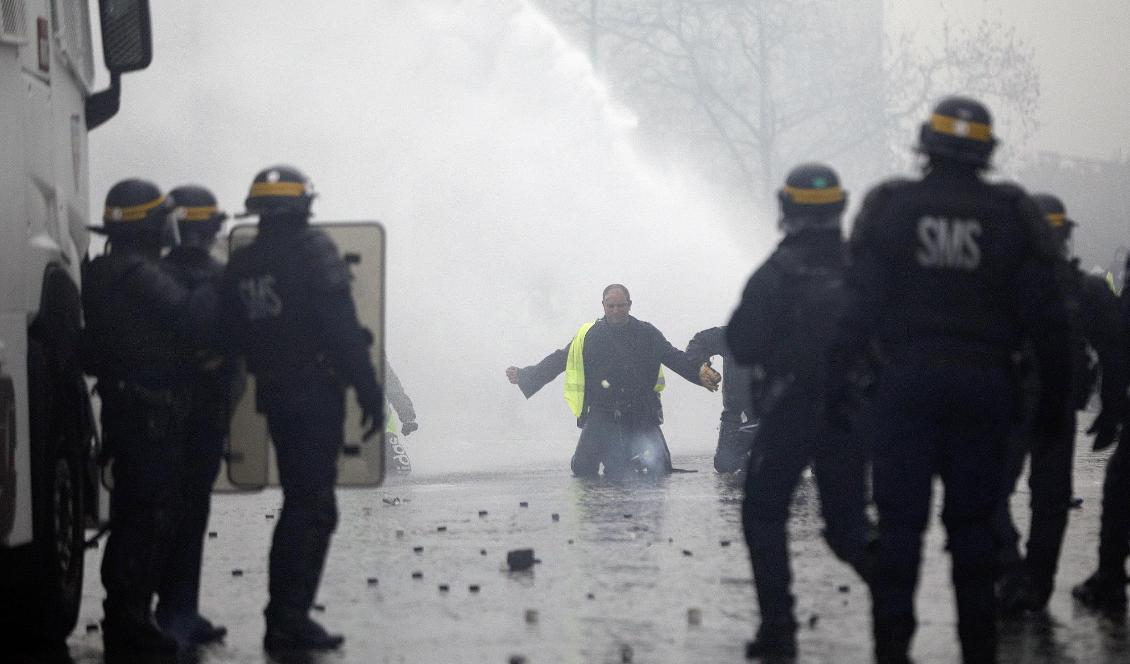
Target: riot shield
x=250, y=460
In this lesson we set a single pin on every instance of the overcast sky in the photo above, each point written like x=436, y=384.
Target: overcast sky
x=1082, y=49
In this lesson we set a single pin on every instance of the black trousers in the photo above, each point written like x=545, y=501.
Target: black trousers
x=306, y=425
x=1114, y=534
x=1050, y=483
x=179, y=589
x=145, y=429
x=734, y=445
x=789, y=439
x=953, y=422
x=619, y=445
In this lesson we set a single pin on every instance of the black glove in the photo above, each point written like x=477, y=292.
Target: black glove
x=372, y=419
x=1105, y=429
x=408, y=427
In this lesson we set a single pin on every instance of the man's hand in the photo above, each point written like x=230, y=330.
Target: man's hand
x=1105, y=429
x=408, y=427
x=372, y=419
x=708, y=377
x=512, y=375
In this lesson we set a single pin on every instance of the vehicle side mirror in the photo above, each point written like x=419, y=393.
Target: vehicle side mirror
x=127, y=43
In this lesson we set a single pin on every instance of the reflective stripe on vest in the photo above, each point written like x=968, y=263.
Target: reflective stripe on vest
x=575, y=373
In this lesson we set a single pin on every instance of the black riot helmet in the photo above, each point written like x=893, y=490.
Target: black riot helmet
x=960, y=129
x=198, y=215
x=280, y=191
x=812, y=198
x=136, y=209
x=1054, y=212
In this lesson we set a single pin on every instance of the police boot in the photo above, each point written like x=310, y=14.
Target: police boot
x=1103, y=592
x=129, y=634
x=892, y=652
x=296, y=632
x=1015, y=593
x=772, y=641
x=190, y=628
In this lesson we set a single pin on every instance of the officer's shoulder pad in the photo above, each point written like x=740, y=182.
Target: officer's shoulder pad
x=1008, y=189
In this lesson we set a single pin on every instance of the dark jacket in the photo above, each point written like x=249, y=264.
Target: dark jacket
x=627, y=359
x=955, y=269
x=735, y=377
x=140, y=320
x=1094, y=315
x=286, y=306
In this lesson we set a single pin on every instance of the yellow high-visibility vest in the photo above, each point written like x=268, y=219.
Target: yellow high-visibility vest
x=575, y=373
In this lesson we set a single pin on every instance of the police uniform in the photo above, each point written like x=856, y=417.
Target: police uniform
x=191, y=264
x=286, y=306
x=780, y=330
x=736, y=428
x=138, y=321
x=1093, y=314
x=1105, y=589
x=948, y=273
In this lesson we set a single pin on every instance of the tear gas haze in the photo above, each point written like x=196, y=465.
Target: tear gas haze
x=504, y=172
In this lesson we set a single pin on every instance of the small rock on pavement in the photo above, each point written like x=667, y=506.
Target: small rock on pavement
x=725, y=542
x=626, y=654
x=687, y=552
x=441, y=529
x=531, y=615
x=523, y=504
x=812, y=620
x=520, y=559
x=844, y=589
x=237, y=572
x=417, y=575
x=694, y=616
x=418, y=549
x=474, y=587
x=555, y=516
x=443, y=587
x=400, y=533
x=372, y=581
x=269, y=516
x=1076, y=503
x=517, y=659
x=482, y=512
x=482, y=552
x=213, y=534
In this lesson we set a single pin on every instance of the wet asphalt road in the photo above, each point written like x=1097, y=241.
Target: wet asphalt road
x=624, y=568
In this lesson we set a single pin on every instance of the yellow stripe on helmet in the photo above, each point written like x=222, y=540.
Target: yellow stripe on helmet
x=200, y=213
x=131, y=213
x=951, y=126
x=822, y=196
x=1055, y=219
x=286, y=189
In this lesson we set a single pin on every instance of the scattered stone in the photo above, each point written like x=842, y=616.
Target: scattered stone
x=400, y=533
x=520, y=559
x=590, y=596
x=482, y=552
x=474, y=587
x=391, y=501
x=523, y=504
x=441, y=529
x=626, y=654
x=687, y=552
x=555, y=516
x=725, y=542
x=91, y=627
x=627, y=516
x=812, y=620
x=844, y=589
x=213, y=534
x=269, y=516
x=320, y=608
x=694, y=616
x=418, y=549
x=372, y=581
x=443, y=587
x=531, y=615
x=570, y=541
x=237, y=572
x=1076, y=503
x=417, y=575
x=517, y=659
x=670, y=540
x=482, y=512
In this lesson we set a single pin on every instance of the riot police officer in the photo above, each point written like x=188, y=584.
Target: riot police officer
x=1094, y=318
x=948, y=273
x=286, y=306
x=192, y=265
x=737, y=424
x=1105, y=589
x=139, y=319
x=780, y=330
